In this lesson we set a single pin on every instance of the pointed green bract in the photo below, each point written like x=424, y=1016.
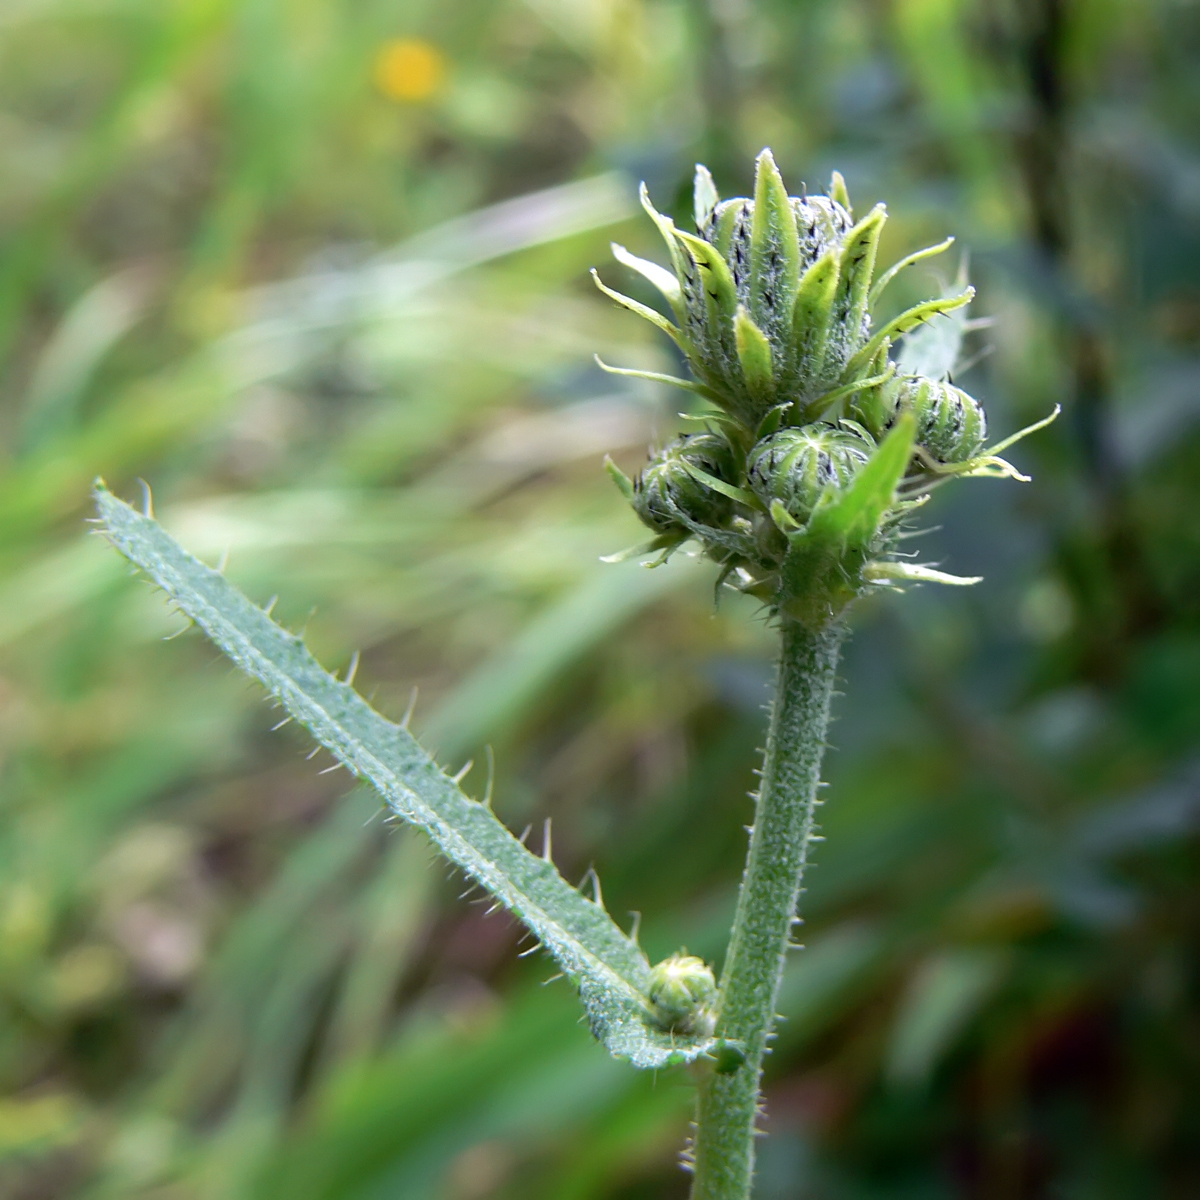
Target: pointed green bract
x=705, y=198
x=935, y=348
x=916, y=257
x=816, y=408
x=771, y=422
x=754, y=353
x=723, y=419
x=812, y=315
x=988, y=463
x=838, y=192
x=719, y=485
x=661, y=545
x=667, y=228
x=899, y=572
x=774, y=253
x=653, y=273
x=1021, y=434
x=854, y=518
x=856, y=269
x=688, y=385
x=726, y=220
x=644, y=311
x=623, y=482
x=917, y=315
x=718, y=282
x=607, y=967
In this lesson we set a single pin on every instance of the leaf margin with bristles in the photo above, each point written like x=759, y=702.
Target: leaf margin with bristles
x=604, y=964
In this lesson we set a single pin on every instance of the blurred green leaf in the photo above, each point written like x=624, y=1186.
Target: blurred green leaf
x=943, y=995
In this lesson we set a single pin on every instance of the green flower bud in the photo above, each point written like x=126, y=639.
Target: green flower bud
x=666, y=495
x=951, y=425
x=821, y=224
x=771, y=305
x=818, y=225
x=771, y=294
x=796, y=466
x=682, y=992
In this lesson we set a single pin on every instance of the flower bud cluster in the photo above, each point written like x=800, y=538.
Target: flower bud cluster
x=815, y=447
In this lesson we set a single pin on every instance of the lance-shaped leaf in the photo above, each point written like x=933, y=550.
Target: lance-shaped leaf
x=606, y=966
x=774, y=252
x=820, y=573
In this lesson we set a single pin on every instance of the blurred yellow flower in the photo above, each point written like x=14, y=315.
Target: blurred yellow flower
x=409, y=69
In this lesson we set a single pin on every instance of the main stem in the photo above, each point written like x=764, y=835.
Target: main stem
x=783, y=826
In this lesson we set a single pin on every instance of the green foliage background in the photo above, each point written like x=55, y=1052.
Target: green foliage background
x=233, y=265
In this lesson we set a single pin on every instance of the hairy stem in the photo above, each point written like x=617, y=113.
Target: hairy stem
x=783, y=826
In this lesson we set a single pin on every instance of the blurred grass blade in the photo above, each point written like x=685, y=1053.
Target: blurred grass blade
x=941, y=998
x=90, y=329
x=606, y=966
x=333, y=297
x=507, y=683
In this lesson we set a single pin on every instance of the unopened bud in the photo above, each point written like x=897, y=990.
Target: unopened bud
x=682, y=992
x=667, y=495
x=796, y=466
x=951, y=425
